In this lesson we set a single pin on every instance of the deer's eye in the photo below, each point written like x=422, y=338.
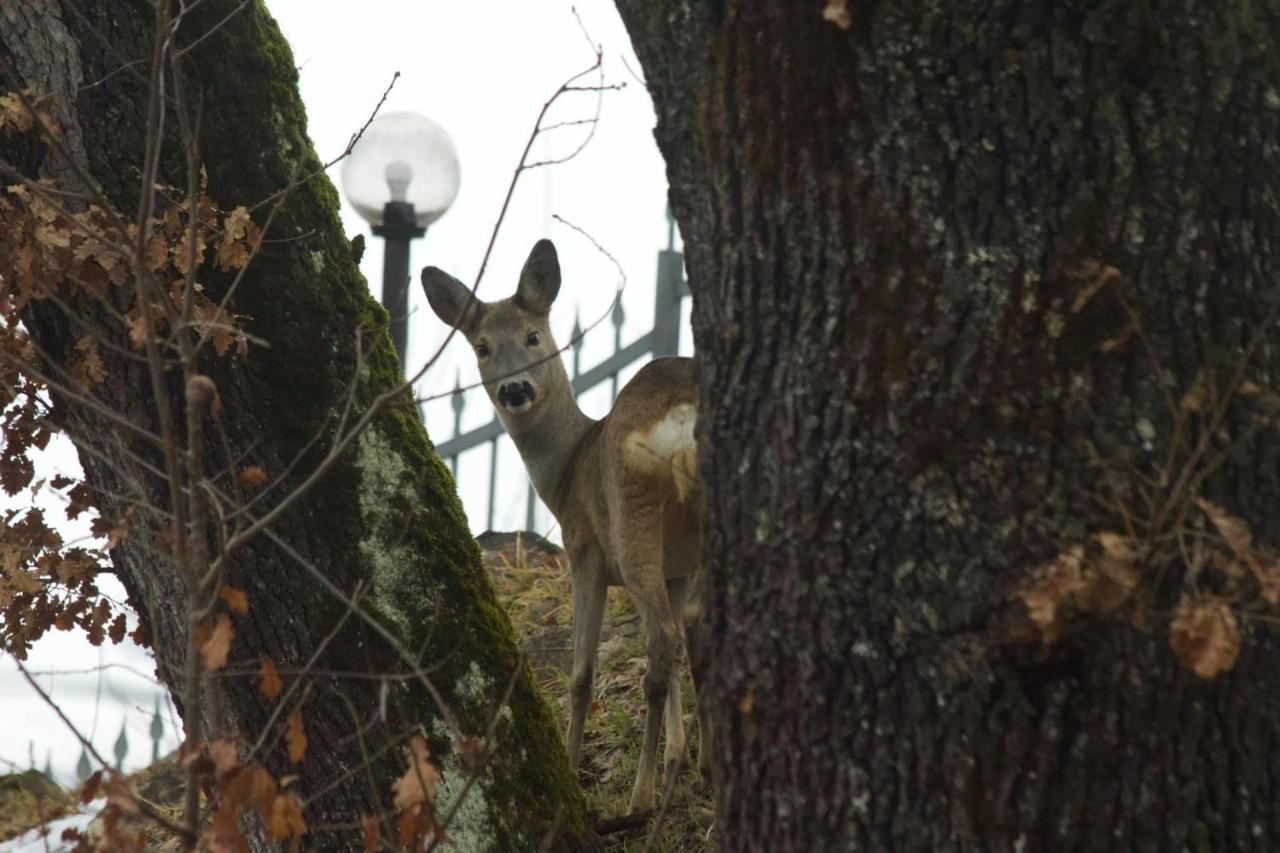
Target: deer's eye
x=482, y=350
x=532, y=340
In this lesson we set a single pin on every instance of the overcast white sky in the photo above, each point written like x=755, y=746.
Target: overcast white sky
x=483, y=71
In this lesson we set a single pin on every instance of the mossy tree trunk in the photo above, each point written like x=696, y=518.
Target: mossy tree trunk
x=893, y=228
x=386, y=518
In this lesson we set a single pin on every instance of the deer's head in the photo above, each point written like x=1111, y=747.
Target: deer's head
x=511, y=338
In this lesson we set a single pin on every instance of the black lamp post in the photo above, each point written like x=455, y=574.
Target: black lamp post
x=401, y=176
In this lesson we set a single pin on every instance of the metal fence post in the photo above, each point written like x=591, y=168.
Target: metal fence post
x=458, y=402
x=667, y=296
x=493, y=479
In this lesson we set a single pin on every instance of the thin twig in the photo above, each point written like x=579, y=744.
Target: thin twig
x=446, y=712
x=143, y=806
x=668, y=794
x=346, y=152
x=473, y=773
x=522, y=166
x=568, y=345
x=184, y=50
x=353, y=602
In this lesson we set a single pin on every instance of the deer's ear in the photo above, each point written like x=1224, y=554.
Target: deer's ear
x=451, y=300
x=540, y=279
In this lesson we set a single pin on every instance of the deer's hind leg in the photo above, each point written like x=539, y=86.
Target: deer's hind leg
x=590, y=589
x=638, y=532
x=676, y=748
x=696, y=649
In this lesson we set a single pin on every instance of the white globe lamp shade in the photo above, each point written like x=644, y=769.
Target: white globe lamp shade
x=402, y=157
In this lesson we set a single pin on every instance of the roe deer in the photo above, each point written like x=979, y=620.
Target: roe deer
x=624, y=489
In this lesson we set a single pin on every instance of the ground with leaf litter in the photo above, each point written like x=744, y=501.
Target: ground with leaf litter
x=532, y=577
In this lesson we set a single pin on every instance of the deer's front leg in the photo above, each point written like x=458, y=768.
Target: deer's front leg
x=589, y=592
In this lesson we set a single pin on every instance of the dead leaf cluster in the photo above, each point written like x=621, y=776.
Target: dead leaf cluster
x=48, y=250
x=1098, y=578
x=1204, y=631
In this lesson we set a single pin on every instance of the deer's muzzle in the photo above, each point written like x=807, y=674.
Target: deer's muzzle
x=516, y=396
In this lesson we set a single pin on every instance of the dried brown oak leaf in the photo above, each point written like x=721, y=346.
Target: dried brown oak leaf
x=1267, y=571
x=370, y=833
x=85, y=365
x=837, y=12
x=239, y=234
x=1111, y=574
x=1205, y=636
x=120, y=795
x=214, y=641
x=224, y=754
x=269, y=679
x=235, y=599
x=119, y=531
x=295, y=736
x=14, y=115
x=1050, y=587
x=90, y=788
x=286, y=819
x=1232, y=529
x=418, y=784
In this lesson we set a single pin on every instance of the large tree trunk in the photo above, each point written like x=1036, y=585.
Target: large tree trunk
x=385, y=518
x=910, y=401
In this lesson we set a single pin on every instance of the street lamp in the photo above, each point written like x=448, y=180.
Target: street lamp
x=401, y=176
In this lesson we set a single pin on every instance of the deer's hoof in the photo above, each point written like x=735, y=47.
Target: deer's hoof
x=641, y=802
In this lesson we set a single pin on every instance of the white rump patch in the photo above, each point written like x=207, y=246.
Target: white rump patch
x=667, y=447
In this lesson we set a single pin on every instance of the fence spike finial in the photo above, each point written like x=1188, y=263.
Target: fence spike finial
x=157, y=732
x=575, y=343
x=122, y=746
x=82, y=766
x=459, y=399
x=618, y=317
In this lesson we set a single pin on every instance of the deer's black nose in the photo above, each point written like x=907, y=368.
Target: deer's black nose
x=515, y=393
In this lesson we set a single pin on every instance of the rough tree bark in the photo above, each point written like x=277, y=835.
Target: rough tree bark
x=886, y=229
x=386, y=516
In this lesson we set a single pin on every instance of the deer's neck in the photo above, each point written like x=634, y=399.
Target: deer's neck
x=548, y=440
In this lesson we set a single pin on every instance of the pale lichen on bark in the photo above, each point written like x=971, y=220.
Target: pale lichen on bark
x=386, y=491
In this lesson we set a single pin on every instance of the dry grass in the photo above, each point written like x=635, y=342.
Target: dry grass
x=532, y=578
x=29, y=799
x=533, y=584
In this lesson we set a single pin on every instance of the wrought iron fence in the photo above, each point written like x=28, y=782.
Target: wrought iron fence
x=121, y=748
x=662, y=339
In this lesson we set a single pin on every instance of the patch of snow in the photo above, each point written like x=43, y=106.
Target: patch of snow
x=48, y=838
